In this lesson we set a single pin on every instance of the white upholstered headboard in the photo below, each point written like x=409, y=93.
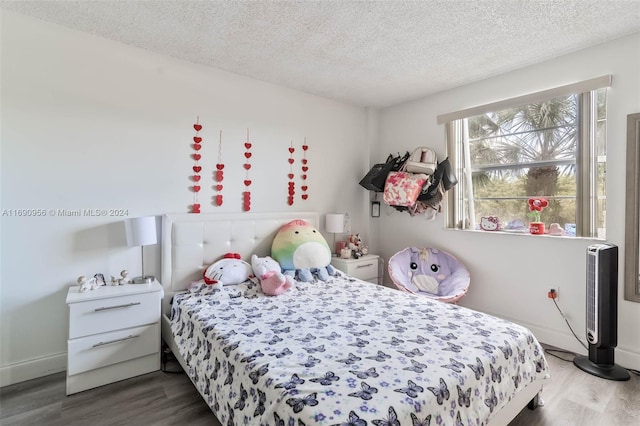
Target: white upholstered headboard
x=191, y=242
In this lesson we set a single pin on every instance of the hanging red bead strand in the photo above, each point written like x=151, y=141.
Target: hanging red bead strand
x=292, y=185
x=246, y=195
x=197, y=140
x=305, y=169
x=219, y=175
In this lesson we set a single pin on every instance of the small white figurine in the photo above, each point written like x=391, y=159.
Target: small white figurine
x=114, y=281
x=124, y=280
x=85, y=285
x=345, y=253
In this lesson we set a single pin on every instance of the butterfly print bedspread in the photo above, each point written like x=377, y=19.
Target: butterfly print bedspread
x=349, y=352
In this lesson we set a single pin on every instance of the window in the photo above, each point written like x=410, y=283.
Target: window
x=550, y=145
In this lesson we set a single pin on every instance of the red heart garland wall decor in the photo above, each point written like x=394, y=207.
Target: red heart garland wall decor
x=291, y=191
x=246, y=195
x=304, y=168
x=197, y=140
x=218, y=175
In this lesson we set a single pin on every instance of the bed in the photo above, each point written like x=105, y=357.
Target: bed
x=342, y=351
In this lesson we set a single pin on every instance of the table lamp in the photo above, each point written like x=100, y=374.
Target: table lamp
x=334, y=223
x=141, y=231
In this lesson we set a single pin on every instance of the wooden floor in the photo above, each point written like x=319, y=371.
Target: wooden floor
x=571, y=397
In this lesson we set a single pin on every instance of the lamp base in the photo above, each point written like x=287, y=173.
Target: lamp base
x=147, y=279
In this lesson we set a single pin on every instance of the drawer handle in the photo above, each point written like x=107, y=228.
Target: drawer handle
x=131, y=336
x=365, y=266
x=116, y=307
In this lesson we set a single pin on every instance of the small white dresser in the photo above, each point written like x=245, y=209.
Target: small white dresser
x=114, y=334
x=365, y=268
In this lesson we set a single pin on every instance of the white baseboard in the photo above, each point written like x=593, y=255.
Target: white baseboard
x=625, y=357
x=32, y=369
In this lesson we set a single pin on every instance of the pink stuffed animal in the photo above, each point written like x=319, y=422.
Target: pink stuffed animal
x=272, y=281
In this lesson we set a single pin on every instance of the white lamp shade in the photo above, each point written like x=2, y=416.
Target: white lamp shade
x=334, y=222
x=141, y=231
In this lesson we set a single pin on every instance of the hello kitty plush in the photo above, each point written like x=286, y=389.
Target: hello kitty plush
x=229, y=270
x=272, y=281
x=490, y=223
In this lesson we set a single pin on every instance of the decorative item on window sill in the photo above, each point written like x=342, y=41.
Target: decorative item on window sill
x=246, y=195
x=292, y=185
x=219, y=175
x=197, y=140
x=536, y=205
x=556, y=229
x=305, y=169
x=490, y=223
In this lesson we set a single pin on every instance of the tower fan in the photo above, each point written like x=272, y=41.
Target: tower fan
x=602, y=313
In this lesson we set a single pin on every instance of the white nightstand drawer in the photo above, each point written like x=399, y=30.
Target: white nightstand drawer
x=100, y=350
x=364, y=270
x=98, y=316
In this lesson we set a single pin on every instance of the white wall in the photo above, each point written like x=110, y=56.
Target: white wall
x=91, y=123
x=510, y=273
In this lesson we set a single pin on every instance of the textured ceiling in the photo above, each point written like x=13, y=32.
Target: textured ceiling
x=369, y=53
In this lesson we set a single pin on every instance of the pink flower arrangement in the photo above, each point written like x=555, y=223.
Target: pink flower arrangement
x=536, y=205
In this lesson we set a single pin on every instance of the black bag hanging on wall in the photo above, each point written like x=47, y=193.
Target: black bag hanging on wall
x=374, y=180
x=443, y=180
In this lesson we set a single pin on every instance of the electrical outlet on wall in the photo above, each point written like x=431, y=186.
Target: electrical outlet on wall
x=553, y=292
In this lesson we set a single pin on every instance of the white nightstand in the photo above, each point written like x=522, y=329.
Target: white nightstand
x=366, y=268
x=114, y=334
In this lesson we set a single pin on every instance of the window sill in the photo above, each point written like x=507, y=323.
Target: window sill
x=527, y=234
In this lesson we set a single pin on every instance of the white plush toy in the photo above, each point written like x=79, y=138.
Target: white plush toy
x=272, y=281
x=229, y=270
